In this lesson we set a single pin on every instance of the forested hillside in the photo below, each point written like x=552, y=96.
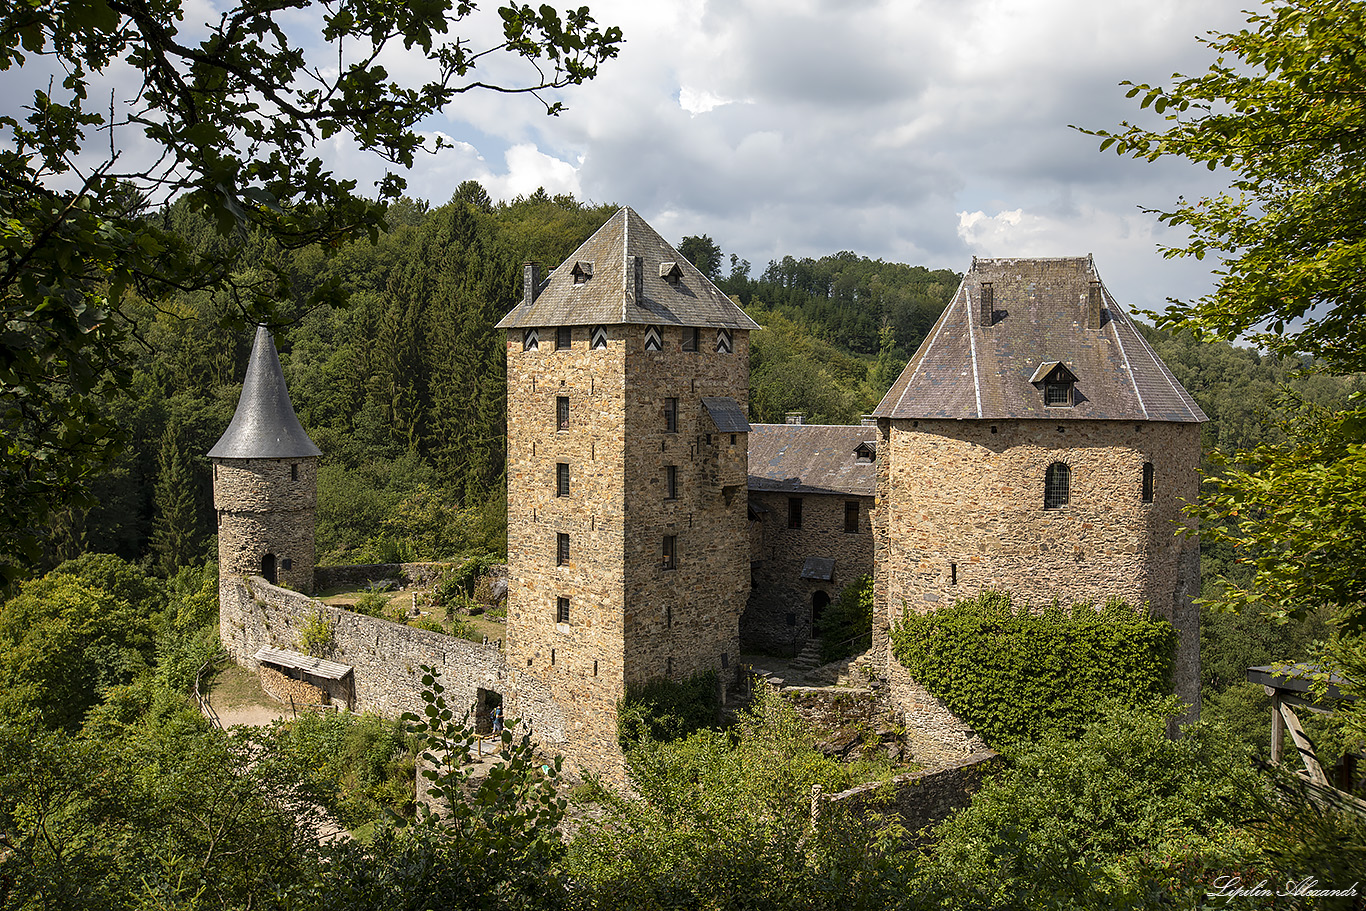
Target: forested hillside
x=403, y=387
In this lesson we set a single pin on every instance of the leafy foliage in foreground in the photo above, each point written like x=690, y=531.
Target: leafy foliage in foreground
x=1013, y=674
x=663, y=710
x=846, y=627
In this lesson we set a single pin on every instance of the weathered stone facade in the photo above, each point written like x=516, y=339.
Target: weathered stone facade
x=961, y=510
x=783, y=604
x=266, y=516
x=386, y=658
x=630, y=617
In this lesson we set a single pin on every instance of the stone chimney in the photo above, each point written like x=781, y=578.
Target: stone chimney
x=796, y=417
x=988, y=303
x=1093, y=298
x=531, y=282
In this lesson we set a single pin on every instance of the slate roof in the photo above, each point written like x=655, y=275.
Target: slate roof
x=264, y=425
x=609, y=297
x=810, y=458
x=968, y=370
x=726, y=414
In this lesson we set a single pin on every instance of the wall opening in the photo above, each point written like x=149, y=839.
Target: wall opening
x=486, y=703
x=819, y=602
x=268, y=569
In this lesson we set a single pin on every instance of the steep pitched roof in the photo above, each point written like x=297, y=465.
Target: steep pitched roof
x=264, y=425
x=810, y=458
x=972, y=368
x=609, y=295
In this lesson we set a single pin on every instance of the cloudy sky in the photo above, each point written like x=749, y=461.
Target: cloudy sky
x=918, y=131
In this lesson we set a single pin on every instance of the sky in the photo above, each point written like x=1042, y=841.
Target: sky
x=917, y=131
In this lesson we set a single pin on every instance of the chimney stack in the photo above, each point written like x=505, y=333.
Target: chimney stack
x=1093, y=306
x=988, y=303
x=531, y=281
x=796, y=417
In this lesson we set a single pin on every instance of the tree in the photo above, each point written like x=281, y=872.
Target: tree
x=703, y=253
x=1281, y=107
x=234, y=116
x=175, y=533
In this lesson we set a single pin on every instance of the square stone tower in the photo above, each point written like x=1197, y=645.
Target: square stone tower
x=628, y=556
x=1036, y=444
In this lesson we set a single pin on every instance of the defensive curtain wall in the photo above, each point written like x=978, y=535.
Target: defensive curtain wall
x=386, y=659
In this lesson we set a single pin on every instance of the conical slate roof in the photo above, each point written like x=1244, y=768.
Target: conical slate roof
x=608, y=295
x=970, y=367
x=265, y=425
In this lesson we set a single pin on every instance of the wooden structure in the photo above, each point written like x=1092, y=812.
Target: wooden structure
x=1295, y=687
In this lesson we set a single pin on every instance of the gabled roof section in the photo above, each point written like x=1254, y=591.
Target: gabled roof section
x=971, y=368
x=264, y=425
x=610, y=296
x=811, y=458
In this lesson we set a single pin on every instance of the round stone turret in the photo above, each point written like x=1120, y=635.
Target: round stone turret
x=265, y=479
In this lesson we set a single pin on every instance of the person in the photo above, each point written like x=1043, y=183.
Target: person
x=497, y=715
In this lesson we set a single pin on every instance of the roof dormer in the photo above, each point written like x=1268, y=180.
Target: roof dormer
x=582, y=272
x=866, y=452
x=670, y=273
x=1057, y=384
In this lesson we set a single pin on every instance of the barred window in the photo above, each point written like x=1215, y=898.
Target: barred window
x=562, y=479
x=562, y=412
x=671, y=482
x=1057, y=483
x=671, y=415
x=561, y=610
x=670, y=557
x=561, y=548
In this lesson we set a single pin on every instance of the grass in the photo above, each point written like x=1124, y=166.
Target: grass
x=235, y=686
x=401, y=602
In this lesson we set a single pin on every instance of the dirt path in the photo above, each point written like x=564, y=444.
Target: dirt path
x=237, y=697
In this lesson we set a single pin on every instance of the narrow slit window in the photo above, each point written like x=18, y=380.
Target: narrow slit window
x=851, y=516
x=671, y=482
x=794, y=512
x=561, y=610
x=1147, y=482
x=671, y=415
x=1057, y=484
x=670, y=555
x=562, y=479
x=561, y=548
x=562, y=412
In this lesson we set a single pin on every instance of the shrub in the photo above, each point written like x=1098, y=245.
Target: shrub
x=1013, y=674
x=846, y=627
x=663, y=710
x=372, y=604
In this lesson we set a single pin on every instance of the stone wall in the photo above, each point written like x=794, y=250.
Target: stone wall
x=961, y=510
x=830, y=708
x=779, y=593
x=265, y=508
x=290, y=691
x=386, y=657
x=919, y=799
x=629, y=618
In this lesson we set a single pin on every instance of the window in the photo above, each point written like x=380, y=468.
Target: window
x=671, y=482
x=561, y=610
x=691, y=338
x=851, y=516
x=561, y=548
x=1147, y=482
x=562, y=479
x=562, y=412
x=1057, y=482
x=564, y=337
x=671, y=415
x=670, y=558
x=953, y=573
x=294, y=472
x=794, y=512
x=597, y=338
x=530, y=340
x=1057, y=395
x=582, y=272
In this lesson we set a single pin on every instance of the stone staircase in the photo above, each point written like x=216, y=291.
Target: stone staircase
x=808, y=659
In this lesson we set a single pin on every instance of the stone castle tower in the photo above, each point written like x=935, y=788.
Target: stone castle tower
x=265, y=479
x=628, y=375
x=1036, y=444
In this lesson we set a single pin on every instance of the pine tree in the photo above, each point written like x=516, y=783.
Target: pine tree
x=175, y=531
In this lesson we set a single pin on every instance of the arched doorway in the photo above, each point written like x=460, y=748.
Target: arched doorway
x=268, y=568
x=819, y=602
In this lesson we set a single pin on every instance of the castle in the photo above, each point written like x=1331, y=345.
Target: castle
x=1035, y=443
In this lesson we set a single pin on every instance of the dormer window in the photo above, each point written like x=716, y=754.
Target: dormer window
x=670, y=273
x=865, y=453
x=582, y=272
x=1057, y=384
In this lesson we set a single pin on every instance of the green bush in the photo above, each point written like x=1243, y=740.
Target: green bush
x=372, y=604
x=1013, y=674
x=663, y=710
x=361, y=765
x=846, y=627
